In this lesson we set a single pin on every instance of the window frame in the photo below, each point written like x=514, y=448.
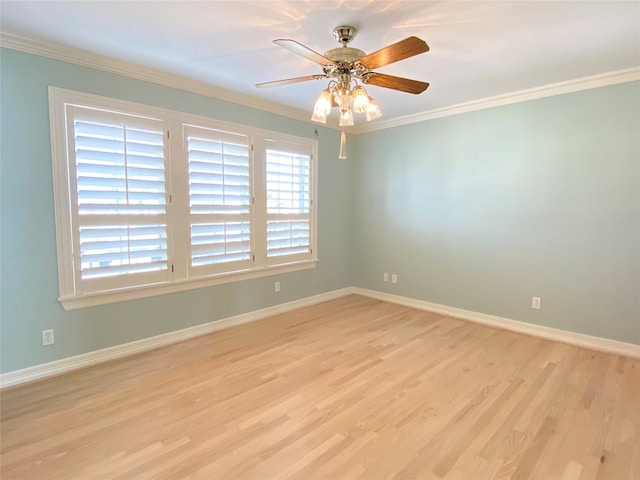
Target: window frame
x=177, y=186
x=274, y=144
x=119, y=281
x=201, y=271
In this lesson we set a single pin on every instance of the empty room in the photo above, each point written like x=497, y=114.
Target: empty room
x=320, y=240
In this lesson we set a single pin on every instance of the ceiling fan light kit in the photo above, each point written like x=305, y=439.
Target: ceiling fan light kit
x=344, y=67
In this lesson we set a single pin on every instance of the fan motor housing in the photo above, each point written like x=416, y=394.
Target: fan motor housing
x=345, y=54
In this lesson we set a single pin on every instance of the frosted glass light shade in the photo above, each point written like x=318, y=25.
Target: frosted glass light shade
x=318, y=117
x=346, y=118
x=373, y=111
x=322, y=107
x=360, y=99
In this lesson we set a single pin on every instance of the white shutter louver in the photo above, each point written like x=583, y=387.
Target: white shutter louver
x=288, y=203
x=219, y=199
x=120, y=184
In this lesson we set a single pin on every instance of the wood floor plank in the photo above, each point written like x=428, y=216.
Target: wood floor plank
x=352, y=388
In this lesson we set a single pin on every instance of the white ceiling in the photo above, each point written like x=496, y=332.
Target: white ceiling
x=478, y=49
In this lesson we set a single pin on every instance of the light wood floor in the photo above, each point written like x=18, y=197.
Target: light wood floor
x=350, y=389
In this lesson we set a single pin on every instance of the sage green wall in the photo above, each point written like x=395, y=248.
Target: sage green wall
x=479, y=211
x=485, y=210
x=29, y=282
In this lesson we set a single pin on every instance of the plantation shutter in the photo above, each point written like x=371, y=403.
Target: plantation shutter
x=118, y=177
x=219, y=201
x=288, y=189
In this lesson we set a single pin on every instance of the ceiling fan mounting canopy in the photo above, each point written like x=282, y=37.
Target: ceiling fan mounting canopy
x=344, y=34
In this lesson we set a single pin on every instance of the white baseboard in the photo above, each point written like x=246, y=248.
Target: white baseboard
x=578, y=339
x=58, y=367
x=64, y=365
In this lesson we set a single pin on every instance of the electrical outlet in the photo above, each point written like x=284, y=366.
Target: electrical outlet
x=386, y=277
x=394, y=278
x=47, y=337
x=536, y=303
x=277, y=286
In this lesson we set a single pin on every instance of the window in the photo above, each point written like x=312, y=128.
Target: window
x=117, y=165
x=150, y=201
x=288, y=202
x=220, y=196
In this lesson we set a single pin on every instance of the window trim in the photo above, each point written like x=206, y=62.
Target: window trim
x=59, y=131
x=72, y=302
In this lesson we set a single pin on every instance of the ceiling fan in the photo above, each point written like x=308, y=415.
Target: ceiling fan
x=345, y=65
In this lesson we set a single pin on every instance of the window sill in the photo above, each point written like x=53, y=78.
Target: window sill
x=73, y=302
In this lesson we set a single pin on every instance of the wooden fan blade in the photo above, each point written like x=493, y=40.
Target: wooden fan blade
x=306, y=52
x=395, y=83
x=398, y=51
x=287, y=81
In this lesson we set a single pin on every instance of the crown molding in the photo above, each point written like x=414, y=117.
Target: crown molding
x=101, y=62
x=108, y=64
x=570, y=86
